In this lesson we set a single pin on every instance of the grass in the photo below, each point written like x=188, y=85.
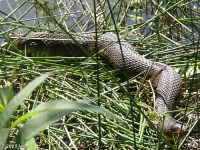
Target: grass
x=166, y=32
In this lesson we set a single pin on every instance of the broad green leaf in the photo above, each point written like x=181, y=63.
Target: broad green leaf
x=15, y=102
x=30, y=144
x=50, y=112
x=4, y=135
x=6, y=94
x=23, y=118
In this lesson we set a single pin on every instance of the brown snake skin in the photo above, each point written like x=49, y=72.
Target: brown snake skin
x=121, y=56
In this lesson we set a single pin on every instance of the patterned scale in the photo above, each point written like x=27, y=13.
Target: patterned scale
x=121, y=56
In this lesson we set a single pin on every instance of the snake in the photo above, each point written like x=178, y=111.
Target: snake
x=122, y=56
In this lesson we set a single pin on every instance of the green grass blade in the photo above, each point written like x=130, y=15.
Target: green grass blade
x=50, y=112
x=15, y=102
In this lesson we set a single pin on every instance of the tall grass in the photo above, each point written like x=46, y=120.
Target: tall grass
x=164, y=31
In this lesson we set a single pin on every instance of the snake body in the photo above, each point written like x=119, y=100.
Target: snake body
x=121, y=55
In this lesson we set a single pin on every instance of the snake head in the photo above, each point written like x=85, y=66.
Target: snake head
x=36, y=47
x=22, y=43
x=174, y=131
x=32, y=47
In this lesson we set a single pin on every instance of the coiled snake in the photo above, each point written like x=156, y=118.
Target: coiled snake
x=120, y=55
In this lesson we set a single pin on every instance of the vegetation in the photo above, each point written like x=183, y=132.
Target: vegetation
x=164, y=31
